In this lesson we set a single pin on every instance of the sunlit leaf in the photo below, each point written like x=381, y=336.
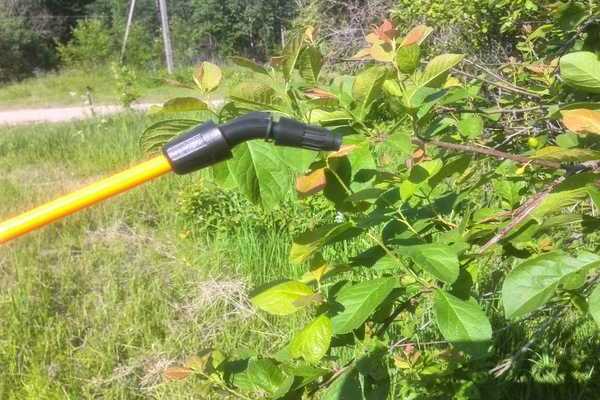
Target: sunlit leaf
x=313, y=341
x=437, y=69
x=264, y=374
x=207, y=76
x=462, y=323
x=382, y=52
x=308, y=243
x=533, y=282
x=581, y=70
x=440, y=260
x=582, y=120
x=470, y=126
x=310, y=63
x=358, y=301
x=291, y=54
x=282, y=298
x=555, y=153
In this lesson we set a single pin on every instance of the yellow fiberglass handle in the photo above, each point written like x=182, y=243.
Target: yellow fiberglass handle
x=82, y=198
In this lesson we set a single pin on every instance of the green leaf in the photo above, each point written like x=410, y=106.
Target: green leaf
x=291, y=54
x=254, y=96
x=581, y=70
x=156, y=135
x=251, y=65
x=310, y=63
x=358, y=302
x=312, y=342
x=367, y=87
x=400, y=142
x=260, y=173
x=407, y=58
x=310, y=242
x=440, y=260
x=386, y=264
x=573, y=189
x=345, y=387
x=437, y=69
x=470, y=126
x=266, y=375
x=207, y=77
x=555, y=153
x=182, y=104
x=567, y=140
x=533, y=283
x=594, y=305
x=283, y=298
x=462, y=323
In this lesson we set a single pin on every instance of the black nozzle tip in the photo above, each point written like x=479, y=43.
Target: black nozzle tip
x=288, y=132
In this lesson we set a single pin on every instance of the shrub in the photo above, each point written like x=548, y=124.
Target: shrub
x=470, y=25
x=92, y=45
x=23, y=50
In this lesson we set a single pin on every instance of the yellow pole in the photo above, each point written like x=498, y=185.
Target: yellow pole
x=82, y=198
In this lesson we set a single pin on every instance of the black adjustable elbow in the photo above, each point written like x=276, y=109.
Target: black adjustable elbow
x=208, y=144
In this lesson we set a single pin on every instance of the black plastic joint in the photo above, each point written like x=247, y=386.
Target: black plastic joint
x=288, y=132
x=201, y=147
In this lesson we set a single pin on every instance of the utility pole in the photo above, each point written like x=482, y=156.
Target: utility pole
x=164, y=21
x=127, y=28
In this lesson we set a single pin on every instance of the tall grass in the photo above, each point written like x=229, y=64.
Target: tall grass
x=97, y=305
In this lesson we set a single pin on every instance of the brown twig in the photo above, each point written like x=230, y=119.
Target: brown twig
x=488, y=152
x=505, y=83
x=500, y=84
x=522, y=213
x=492, y=111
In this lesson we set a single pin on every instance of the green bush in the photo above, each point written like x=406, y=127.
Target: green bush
x=91, y=45
x=471, y=24
x=462, y=259
x=23, y=50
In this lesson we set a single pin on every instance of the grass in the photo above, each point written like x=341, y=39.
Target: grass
x=68, y=87
x=97, y=305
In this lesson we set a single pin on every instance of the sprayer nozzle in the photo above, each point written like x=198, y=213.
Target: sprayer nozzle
x=209, y=144
x=287, y=132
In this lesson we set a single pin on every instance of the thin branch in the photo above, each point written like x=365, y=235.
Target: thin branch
x=506, y=84
x=492, y=111
x=501, y=84
x=488, y=152
x=522, y=213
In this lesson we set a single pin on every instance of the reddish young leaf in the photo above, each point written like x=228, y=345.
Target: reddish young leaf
x=311, y=183
x=177, y=373
x=316, y=93
x=386, y=31
x=343, y=151
x=416, y=35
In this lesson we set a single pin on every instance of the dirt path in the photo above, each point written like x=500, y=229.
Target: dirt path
x=36, y=115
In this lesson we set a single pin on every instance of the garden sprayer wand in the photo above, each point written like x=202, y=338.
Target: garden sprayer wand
x=200, y=147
